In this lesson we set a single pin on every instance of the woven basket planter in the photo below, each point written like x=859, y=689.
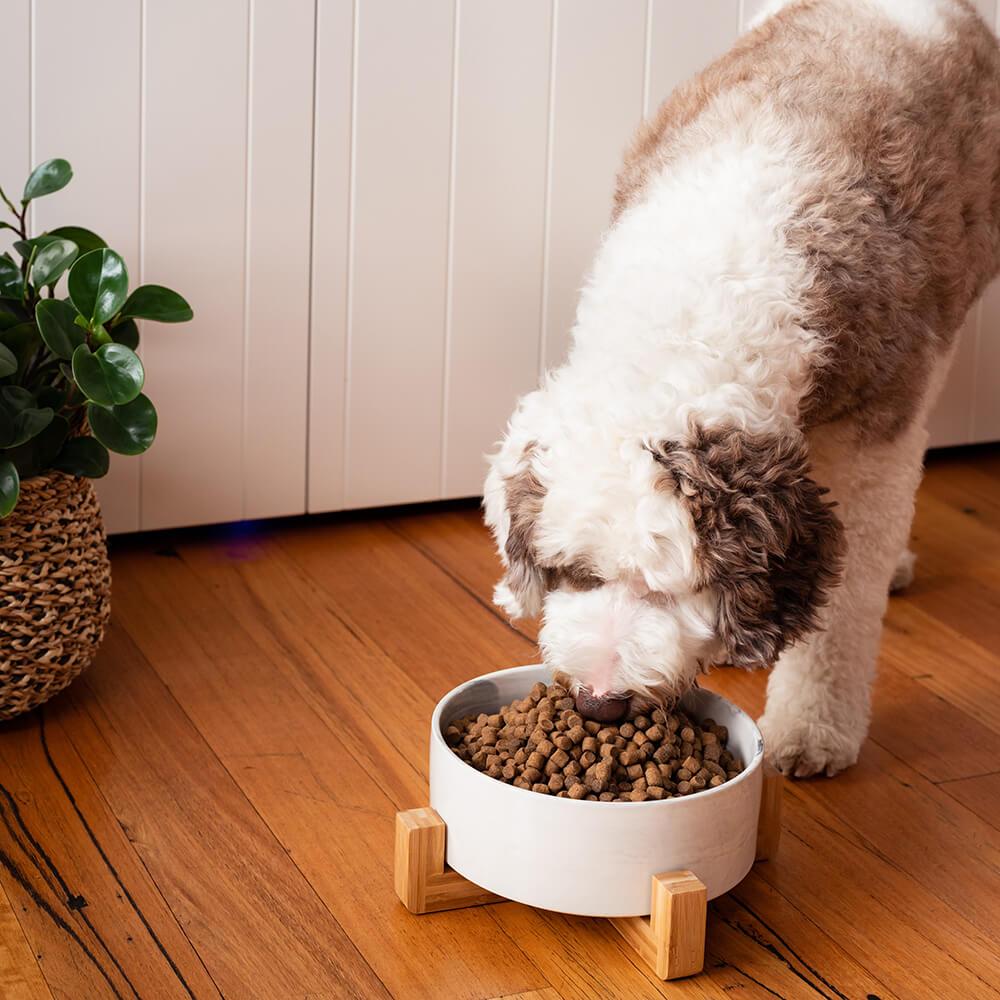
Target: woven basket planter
x=55, y=589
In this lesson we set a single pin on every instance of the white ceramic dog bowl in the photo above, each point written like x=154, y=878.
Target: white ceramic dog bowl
x=590, y=858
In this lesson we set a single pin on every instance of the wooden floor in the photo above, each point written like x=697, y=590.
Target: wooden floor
x=209, y=811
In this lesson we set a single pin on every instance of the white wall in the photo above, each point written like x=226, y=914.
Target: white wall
x=381, y=212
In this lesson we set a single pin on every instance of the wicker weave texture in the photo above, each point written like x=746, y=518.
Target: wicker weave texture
x=55, y=589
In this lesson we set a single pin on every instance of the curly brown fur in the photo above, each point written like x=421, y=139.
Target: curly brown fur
x=767, y=540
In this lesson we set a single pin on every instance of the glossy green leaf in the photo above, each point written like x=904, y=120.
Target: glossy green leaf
x=8, y=361
x=23, y=340
x=47, y=178
x=157, y=303
x=10, y=487
x=98, y=285
x=128, y=429
x=51, y=260
x=15, y=398
x=56, y=324
x=83, y=456
x=83, y=238
x=26, y=247
x=10, y=315
x=112, y=375
x=35, y=456
x=127, y=333
x=30, y=422
x=11, y=282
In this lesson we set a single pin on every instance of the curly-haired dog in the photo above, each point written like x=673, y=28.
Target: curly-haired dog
x=724, y=469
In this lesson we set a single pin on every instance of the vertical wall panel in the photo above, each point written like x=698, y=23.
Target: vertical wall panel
x=684, y=39
x=15, y=153
x=497, y=230
x=597, y=105
x=332, y=147
x=104, y=151
x=986, y=425
x=400, y=230
x=277, y=262
x=953, y=417
x=195, y=218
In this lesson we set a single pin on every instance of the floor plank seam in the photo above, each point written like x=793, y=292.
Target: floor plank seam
x=104, y=857
x=495, y=612
x=239, y=791
x=965, y=777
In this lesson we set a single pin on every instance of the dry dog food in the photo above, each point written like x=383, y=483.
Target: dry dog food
x=542, y=743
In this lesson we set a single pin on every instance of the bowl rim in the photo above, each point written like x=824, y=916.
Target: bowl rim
x=437, y=735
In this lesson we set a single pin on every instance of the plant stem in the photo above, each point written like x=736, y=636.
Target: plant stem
x=8, y=203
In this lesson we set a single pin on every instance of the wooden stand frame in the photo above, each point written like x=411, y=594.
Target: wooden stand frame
x=671, y=939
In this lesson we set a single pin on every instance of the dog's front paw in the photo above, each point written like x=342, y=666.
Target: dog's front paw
x=800, y=748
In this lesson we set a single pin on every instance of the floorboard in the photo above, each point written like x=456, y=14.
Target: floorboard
x=208, y=812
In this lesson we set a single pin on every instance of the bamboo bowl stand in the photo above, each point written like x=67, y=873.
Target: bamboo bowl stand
x=671, y=939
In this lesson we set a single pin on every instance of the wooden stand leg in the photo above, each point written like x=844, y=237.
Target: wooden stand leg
x=769, y=820
x=423, y=882
x=672, y=938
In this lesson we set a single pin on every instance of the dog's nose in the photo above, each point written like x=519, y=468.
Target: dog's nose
x=601, y=707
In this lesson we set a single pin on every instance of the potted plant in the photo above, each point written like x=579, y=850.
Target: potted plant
x=70, y=392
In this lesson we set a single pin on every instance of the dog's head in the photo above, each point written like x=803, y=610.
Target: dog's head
x=674, y=555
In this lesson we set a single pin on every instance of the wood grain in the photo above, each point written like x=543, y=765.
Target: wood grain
x=672, y=940
x=88, y=907
x=20, y=976
x=221, y=788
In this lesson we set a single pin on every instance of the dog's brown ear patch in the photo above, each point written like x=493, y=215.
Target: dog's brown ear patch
x=524, y=578
x=767, y=539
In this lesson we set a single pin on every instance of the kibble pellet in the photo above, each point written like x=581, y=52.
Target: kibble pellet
x=542, y=744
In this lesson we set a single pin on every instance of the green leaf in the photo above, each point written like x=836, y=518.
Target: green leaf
x=83, y=238
x=37, y=455
x=10, y=315
x=23, y=340
x=56, y=324
x=51, y=260
x=28, y=423
x=15, y=398
x=11, y=282
x=83, y=456
x=25, y=247
x=157, y=303
x=47, y=178
x=98, y=285
x=111, y=376
x=8, y=361
x=127, y=429
x=126, y=333
x=10, y=487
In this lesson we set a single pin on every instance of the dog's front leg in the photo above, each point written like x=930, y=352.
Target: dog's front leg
x=819, y=693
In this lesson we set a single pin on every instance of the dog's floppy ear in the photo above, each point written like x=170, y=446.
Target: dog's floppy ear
x=521, y=591
x=767, y=540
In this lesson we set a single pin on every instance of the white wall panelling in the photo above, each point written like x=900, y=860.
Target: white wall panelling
x=381, y=211
x=15, y=153
x=333, y=148
x=402, y=156
x=194, y=202
x=598, y=82
x=278, y=221
x=97, y=128
x=498, y=215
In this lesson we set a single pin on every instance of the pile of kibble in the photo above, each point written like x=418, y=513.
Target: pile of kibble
x=543, y=744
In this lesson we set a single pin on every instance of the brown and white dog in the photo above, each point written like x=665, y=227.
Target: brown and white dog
x=724, y=469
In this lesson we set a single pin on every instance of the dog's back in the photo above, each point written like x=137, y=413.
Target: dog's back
x=895, y=107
